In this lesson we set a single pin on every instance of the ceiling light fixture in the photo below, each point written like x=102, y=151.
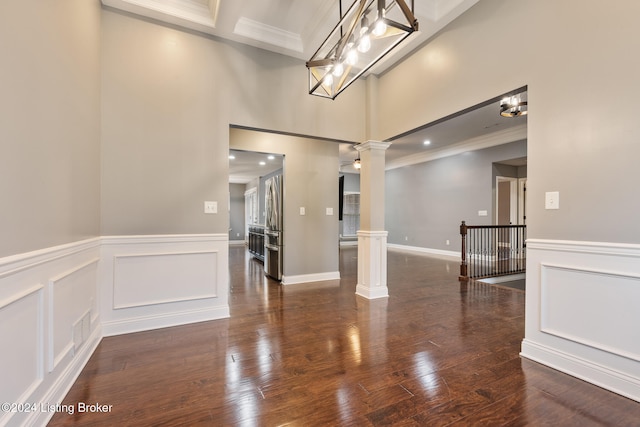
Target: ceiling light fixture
x=356, y=163
x=426, y=142
x=513, y=106
x=354, y=45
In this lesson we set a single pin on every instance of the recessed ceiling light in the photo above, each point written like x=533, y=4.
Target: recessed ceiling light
x=426, y=142
x=263, y=163
x=271, y=157
x=231, y=157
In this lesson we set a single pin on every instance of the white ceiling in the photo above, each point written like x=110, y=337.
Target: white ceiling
x=245, y=166
x=297, y=28
x=480, y=127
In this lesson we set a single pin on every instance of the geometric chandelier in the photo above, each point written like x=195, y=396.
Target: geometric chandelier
x=365, y=34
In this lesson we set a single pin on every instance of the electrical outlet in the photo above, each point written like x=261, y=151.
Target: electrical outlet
x=447, y=242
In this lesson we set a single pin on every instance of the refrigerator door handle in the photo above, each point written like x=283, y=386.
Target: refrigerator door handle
x=272, y=247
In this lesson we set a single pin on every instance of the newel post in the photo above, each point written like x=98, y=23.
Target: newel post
x=463, y=264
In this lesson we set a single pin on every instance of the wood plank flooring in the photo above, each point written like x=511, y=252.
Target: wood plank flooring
x=435, y=353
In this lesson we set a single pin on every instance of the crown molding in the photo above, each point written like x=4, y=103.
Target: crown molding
x=185, y=13
x=260, y=32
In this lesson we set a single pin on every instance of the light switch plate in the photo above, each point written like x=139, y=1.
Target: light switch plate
x=302, y=210
x=552, y=200
x=210, y=207
x=482, y=213
x=329, y=211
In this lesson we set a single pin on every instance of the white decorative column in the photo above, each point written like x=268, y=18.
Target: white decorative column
x=372, y=237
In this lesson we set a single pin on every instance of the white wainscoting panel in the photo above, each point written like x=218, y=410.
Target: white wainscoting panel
x=148, y=279
x=590, y=293
x=69, y=300
x=22, y=336
x=42, y=295
x=150, y=282
x=583, y=311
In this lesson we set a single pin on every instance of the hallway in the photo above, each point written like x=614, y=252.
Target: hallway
x=434, y=353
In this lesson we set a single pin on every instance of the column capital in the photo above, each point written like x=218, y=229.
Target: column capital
x=372, y=145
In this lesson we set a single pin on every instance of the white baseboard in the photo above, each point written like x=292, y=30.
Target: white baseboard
x=307, y=278
x=594, y=373
x=372, y=293
x=163, y=320
x=424, y=251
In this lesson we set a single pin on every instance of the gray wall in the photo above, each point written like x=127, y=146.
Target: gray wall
x=310, y=181
x=236, y=211
x=425, y=203
x=49, y=123
x=583, y=131
x=168, y=98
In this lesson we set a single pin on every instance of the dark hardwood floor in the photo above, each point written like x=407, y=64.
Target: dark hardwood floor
x=435, y=353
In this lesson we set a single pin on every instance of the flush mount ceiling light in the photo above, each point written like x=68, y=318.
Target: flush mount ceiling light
x=513, y=106
x=364, y=35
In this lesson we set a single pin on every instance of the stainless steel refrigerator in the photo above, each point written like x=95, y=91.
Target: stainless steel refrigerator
x=273, y=239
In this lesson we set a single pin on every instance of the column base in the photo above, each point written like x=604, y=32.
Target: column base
x=372, y=264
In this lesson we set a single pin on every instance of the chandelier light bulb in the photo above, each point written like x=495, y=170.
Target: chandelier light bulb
x=328, y=79
x=338, y=69
x=380, y=27
x=364, y=25
x=364, y=44
x=352, y=56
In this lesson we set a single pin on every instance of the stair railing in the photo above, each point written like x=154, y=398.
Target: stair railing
x=492, y=250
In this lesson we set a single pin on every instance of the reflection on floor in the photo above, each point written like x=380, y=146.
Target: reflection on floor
x=513, y=281
x=435, y=352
